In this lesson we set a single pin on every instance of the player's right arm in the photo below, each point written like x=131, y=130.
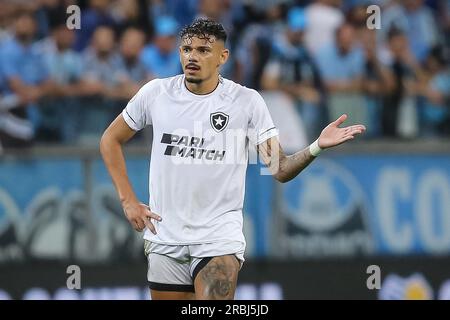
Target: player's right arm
x=114, y=137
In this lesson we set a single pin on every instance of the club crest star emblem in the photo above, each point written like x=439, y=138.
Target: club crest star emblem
x=219, y=121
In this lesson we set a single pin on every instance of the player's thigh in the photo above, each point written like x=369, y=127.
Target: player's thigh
x=169, y=278
x=217, y=279
x=171, y=295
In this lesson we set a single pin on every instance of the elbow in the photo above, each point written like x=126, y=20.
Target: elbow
x=280, y=173
x=103, y=143
x=281, y=177
x=109, y=143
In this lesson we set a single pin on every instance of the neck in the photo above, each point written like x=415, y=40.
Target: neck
x=102, y=55
x=60, y=47
x=204, y=87
x=24, y=41
x=343, y=51
x=129, y=60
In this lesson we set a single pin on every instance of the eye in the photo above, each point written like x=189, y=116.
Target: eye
x=186, y=50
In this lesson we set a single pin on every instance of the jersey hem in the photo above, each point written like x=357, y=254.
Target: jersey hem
x=187, y=243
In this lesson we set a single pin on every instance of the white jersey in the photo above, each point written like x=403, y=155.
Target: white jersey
x=199, y=156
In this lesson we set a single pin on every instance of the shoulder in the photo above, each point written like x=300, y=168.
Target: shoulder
x=10, y=47
x=44, y=46
x=236, y=91
x=248, y=100
x=151, y=87
x=156, y=86
x=88, y=56
x=41, y=47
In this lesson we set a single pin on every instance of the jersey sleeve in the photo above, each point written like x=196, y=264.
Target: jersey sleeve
x=261, y=125
x=137, y=113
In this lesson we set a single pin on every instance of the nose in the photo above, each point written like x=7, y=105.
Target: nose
x=192, y=57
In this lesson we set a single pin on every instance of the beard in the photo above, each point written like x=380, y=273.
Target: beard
x=24, y=38
x=194, y=80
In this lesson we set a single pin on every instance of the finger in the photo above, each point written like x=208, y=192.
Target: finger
x=149, y=225
x=351, y=129
x=357, y=131
x=340, y=120
x=343, y=139
x=150, y=214
x=346, y=138
x=140, y=225
x=354, y=130
x=358, y=127
x=136, y=226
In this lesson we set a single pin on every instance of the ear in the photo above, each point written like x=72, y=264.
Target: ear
x=224, y=56
x=180, y=55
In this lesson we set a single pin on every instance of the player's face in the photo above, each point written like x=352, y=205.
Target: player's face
x=201, y=58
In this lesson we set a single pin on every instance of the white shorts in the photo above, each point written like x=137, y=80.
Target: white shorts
x=174, y=267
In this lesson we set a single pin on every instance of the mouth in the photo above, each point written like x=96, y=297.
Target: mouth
x=192, y=67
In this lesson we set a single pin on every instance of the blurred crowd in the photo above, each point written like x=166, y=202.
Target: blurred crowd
x=65, y=86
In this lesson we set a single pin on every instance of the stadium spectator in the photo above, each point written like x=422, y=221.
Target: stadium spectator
x=228, y=14
x=341, y=65
x=97, y=14
x=253, y=49
x=417, y=22
x=129, y=13
x=161, y=56
x=393, y=17
x=65, y=68
x=422, y=31
x=292, y=70
x=434, y=91
x=49, y=13
x=14, y=131
x=356, y=15
x=405, y=70
x=100, y=61
x=183, y=11
x=101, y=73
x=26, y=76
x=133, y=73
x=377, y=82
x=324, y=17
x=6, y=19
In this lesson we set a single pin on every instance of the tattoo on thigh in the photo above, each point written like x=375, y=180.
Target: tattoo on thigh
x=219, y=278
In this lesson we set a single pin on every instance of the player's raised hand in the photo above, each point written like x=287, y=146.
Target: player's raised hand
x=139, y=215
x=333, y=135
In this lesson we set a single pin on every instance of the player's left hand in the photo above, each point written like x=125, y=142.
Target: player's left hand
x=332, y=135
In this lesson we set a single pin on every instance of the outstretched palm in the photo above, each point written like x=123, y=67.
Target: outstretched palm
x=332, y=135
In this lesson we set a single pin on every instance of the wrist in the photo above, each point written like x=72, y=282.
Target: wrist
x=127, y=200
x=314, y=148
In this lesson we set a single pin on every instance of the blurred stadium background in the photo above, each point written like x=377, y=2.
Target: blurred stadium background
x=383, y=200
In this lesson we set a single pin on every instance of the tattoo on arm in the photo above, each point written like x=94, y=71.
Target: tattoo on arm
x=283, y=167
x=295, y=163
x=271, y=156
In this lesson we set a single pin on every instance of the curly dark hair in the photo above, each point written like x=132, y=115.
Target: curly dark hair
x=204, y=29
